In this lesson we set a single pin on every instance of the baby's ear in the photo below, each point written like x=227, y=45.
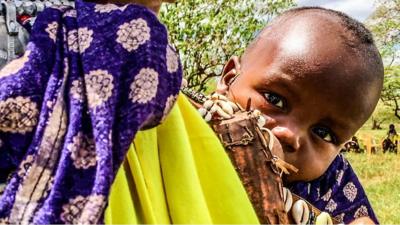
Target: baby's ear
x=229, y=74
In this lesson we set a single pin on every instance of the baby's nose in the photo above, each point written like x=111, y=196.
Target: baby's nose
x=290, y=141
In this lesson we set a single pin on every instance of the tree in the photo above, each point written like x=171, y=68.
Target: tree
x=385, y=25
x=391, y=89
x=208, y=32
x=382, y=114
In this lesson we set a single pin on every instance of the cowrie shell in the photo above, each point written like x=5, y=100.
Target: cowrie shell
x=226, y=107
x=222, y=97
x=184, y=83
x=323, y=219
x=208, y=104
x=256, y=112
x=218, y=97
x=208, y=117
x=234, y=106
x=300, y=212
x=287, y=199
x=223, y=114
x=214, y=108
x=261, y=121
x=202, y=112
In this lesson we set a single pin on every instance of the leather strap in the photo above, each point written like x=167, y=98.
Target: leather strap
x=246, y=146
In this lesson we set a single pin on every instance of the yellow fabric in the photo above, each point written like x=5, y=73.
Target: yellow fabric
x=393, y=138
x=178, y=173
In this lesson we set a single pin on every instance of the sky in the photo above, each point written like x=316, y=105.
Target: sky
x=359, y=9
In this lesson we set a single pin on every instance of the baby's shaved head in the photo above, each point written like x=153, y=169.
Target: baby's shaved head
x=357, y=29
x=321, y=39
x=354, y=33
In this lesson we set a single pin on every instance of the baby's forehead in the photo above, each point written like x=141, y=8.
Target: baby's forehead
x=317, y=39
x=304, y=48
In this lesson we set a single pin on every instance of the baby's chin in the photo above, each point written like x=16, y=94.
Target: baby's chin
x=306, y=173
x=296, y=177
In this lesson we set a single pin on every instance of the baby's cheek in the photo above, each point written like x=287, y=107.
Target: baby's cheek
x=315, y=169
x=242, y=93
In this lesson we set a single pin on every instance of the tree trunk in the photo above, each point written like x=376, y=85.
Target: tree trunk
x=376, y=125
x=396, y=109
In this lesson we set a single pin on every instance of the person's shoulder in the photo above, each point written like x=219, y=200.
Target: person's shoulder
x=113, y=13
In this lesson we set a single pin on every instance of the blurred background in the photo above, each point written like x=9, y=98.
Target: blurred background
x=208, y=32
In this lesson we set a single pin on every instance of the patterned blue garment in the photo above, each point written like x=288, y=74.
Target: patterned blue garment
x=72, y=104
x=338, y=191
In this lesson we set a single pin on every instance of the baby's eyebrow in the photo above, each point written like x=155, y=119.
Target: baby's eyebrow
x=284, y=82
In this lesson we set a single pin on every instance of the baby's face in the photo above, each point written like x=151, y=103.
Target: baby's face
x=313, y=98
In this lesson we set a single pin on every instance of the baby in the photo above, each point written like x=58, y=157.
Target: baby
x=316, y=75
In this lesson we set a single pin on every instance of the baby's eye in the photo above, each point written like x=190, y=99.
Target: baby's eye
x=274, y=99
x=324, y=133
